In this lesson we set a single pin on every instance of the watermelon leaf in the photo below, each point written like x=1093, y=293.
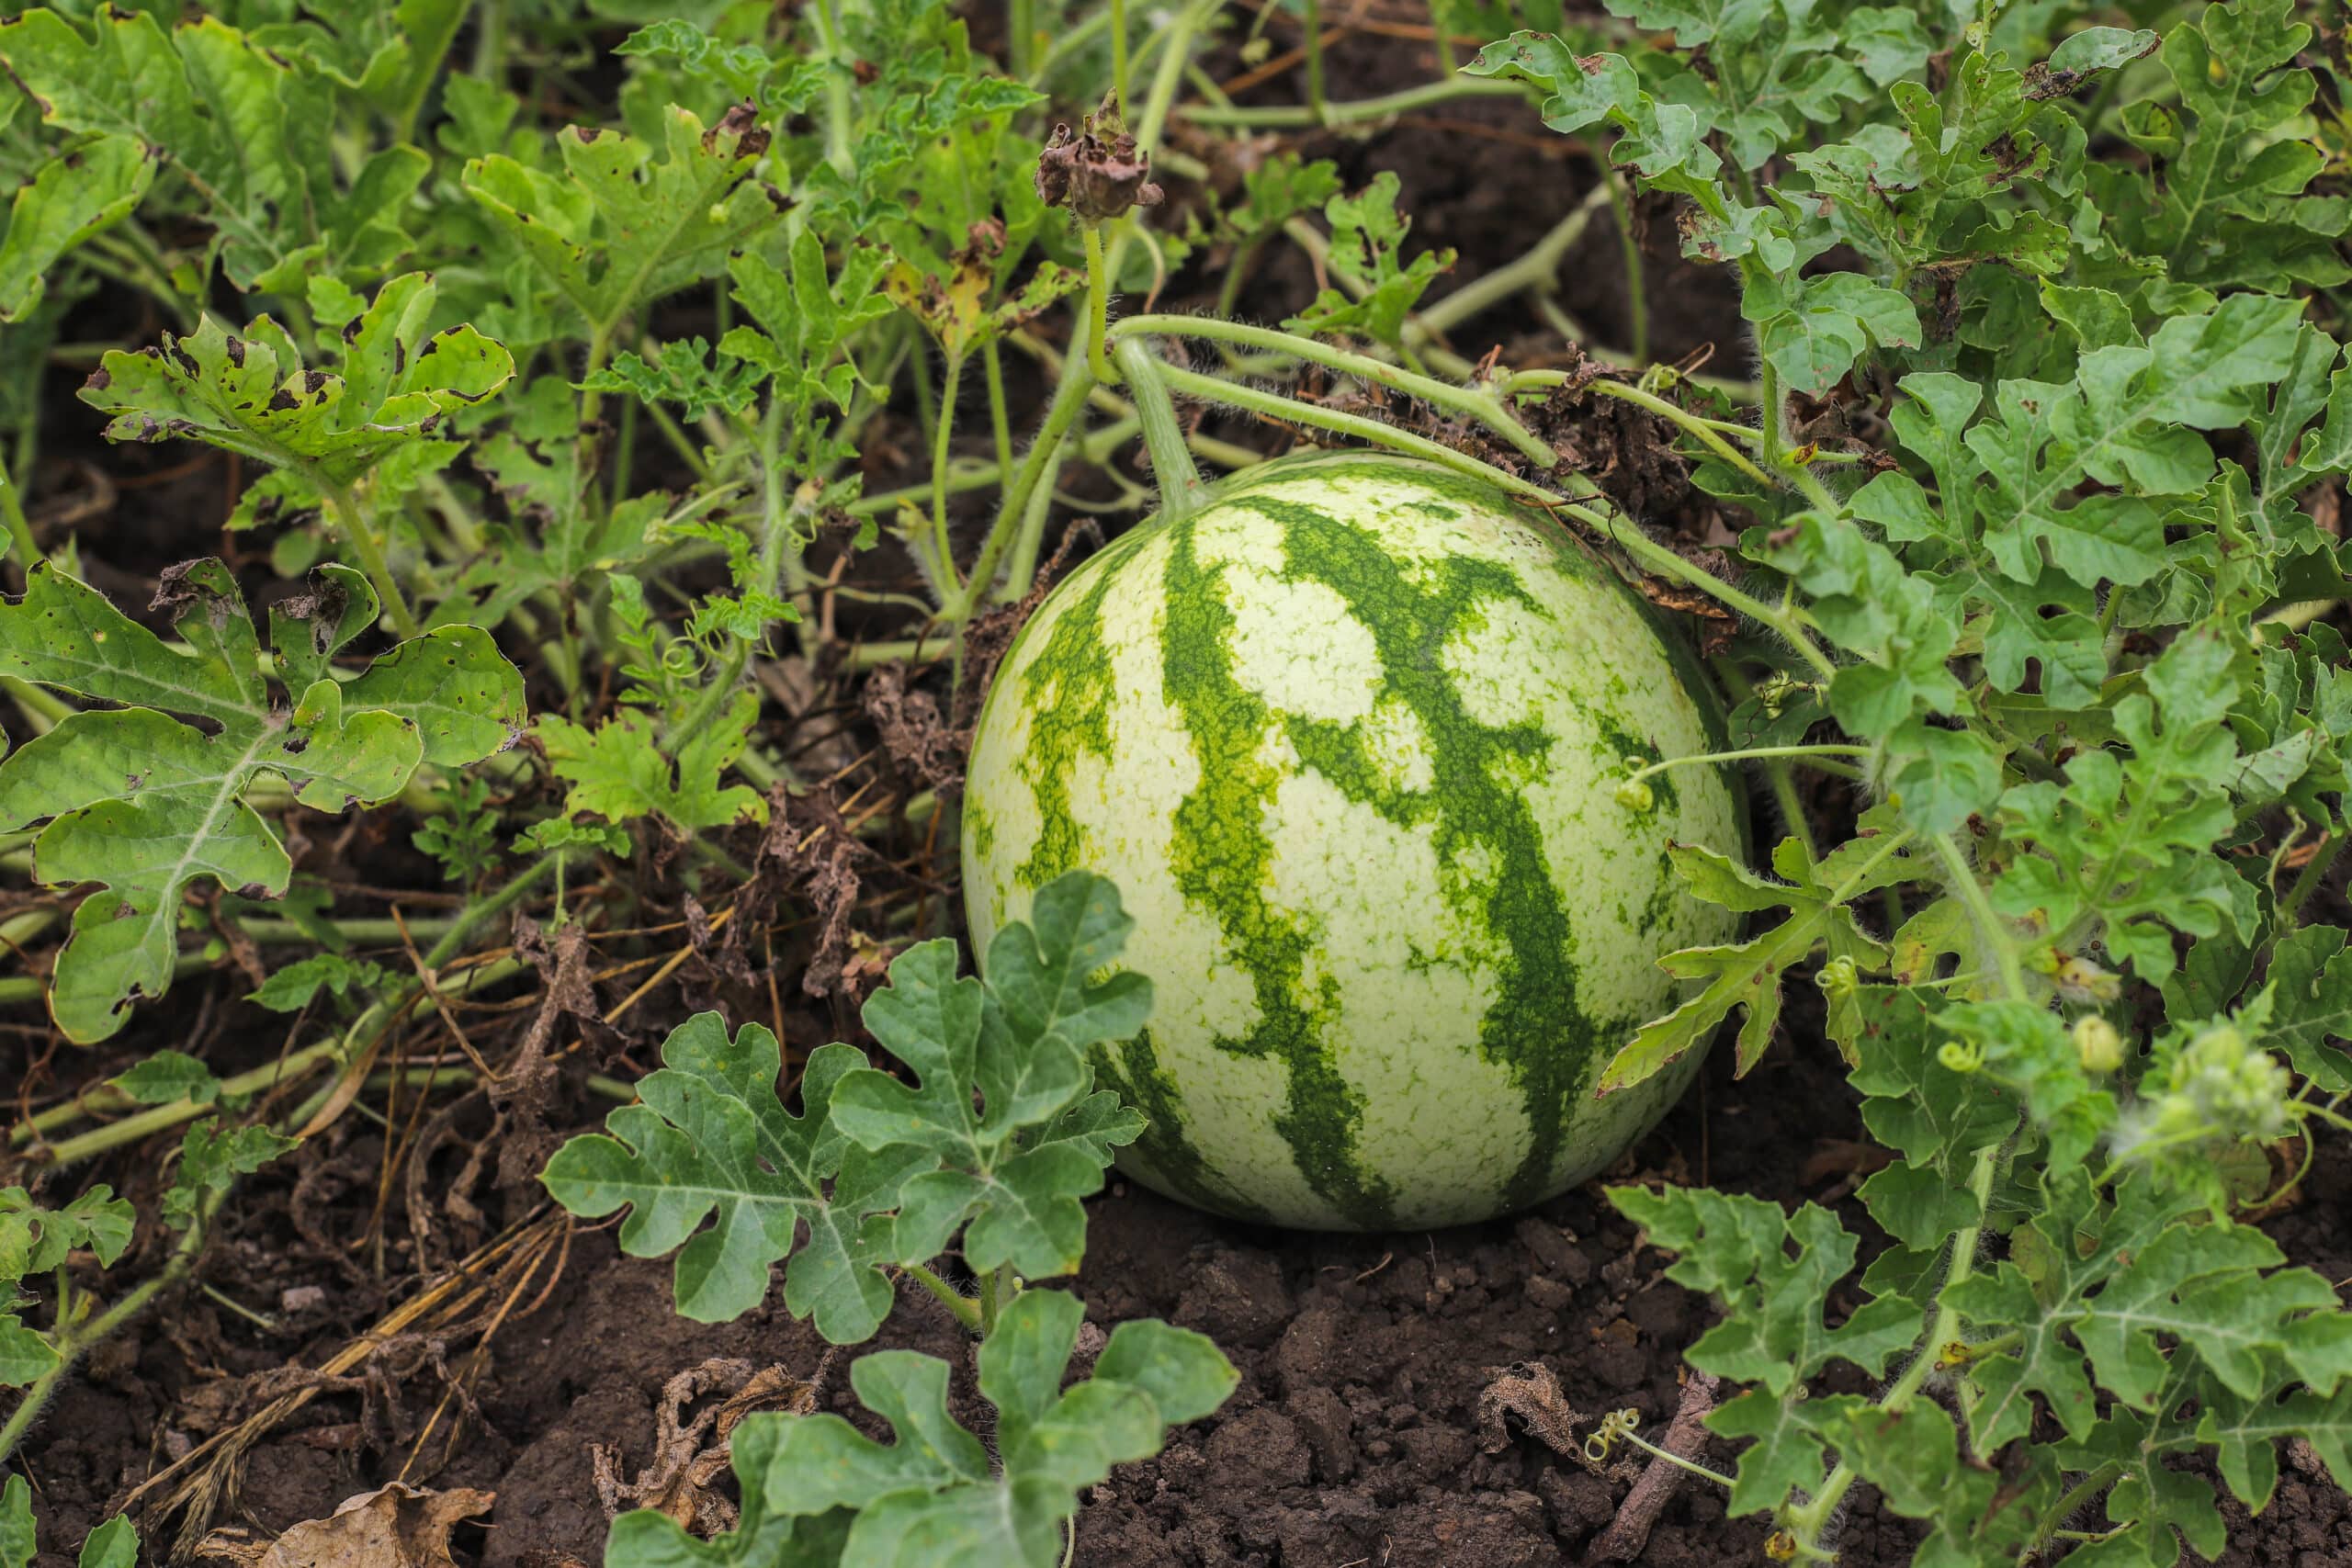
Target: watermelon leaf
x=1747, y=975
x=625, y=222
x=143, y=804
x=1000, y=1136
x=237, y=120
x=936, y=1493
x=1777, y=1271
x=710, y=1140
x=250, y=393
x=1039, y=1137
x=34, y=1240
x=1367, y=249
x=114, y=1544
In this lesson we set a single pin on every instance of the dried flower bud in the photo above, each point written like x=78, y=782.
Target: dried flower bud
x=1097, y=171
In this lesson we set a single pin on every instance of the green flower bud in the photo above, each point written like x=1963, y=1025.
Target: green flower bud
x=1635, y=794
x=2098, y=1044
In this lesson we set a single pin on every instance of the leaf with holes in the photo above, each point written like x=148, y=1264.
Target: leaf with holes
x=145, y=797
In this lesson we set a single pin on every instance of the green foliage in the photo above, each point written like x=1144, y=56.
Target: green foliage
x=167, y=1075
x=212, y=1155
x=2231, y=209
x=114, y=1544
x=464, y=836
x=820, y=1492
x=619, y=772
x=2048, y=425
x=140, y=801
x=1775, y=1271
x=999, y=1137
x=804, y=314
x=35, y=1240
x=1747, y=975
x=2062, y=952
x=1367, y=245
x=625, y=222
x=251, y=393
x=235, y=122
x=882, y=1173
x=298, y=984
x=74, y=197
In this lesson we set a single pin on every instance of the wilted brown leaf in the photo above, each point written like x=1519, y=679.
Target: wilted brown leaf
x=394, y=1527
x=681, y=1479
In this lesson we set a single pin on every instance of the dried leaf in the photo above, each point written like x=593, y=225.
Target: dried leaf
x=394, y=1527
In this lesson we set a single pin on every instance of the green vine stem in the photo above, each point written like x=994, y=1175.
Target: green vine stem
x=1651, y=555
x=838, y=75
x=1000, y=414
x=1707, y=431
x=397, y=1001
x=1753, y=753
x=20, y=528
x=1069, y=401
x=1805, y=1523
x=1119, y=42
x=1098, y=304
x=779, y=525
x=965, y=1309
x=353, y=520
x=1313, y=45
x=2313, y=873
x=943, y=431
x=1181, y=493
x=1991, y=929
x=1020, y=29
x=1362, y=111
x=1475, y=403
x=1629, y=250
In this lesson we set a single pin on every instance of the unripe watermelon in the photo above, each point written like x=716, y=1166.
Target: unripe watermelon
x=1349, y=740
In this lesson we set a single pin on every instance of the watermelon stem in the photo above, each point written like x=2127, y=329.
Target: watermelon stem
x=1181, y=493
x=1646, y=551
x=965, y=1309
x=1098, y=305
x=1758, y=753
x=1472, y=403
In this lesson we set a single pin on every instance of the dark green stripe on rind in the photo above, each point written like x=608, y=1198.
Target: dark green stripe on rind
x=1131, y=1070
x=1067, y=688
x=1221, y=855
x=1534, y=1027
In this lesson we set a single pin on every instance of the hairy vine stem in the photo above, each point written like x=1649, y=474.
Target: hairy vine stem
x=340, y=1049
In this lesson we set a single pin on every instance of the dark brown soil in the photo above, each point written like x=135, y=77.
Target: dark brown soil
x=1353, y=1440
x=1354, y=1435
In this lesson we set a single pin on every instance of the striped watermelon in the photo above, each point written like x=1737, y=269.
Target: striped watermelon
x=1349, y=740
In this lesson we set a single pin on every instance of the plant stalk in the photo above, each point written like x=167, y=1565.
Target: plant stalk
x=1181, y=493
x=965, y=1309
x=361, y=533
x=1305, y=117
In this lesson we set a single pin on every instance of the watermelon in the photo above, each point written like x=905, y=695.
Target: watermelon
x=1350, y=740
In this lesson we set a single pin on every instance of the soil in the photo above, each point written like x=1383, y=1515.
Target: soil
x=1354, y=1440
